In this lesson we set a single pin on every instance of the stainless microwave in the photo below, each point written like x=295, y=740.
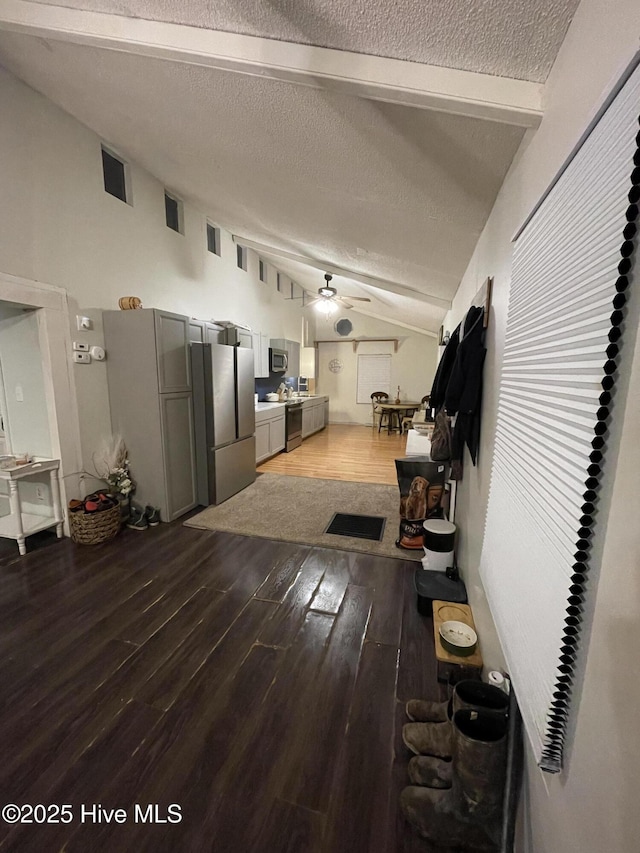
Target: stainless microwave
x=278, y=360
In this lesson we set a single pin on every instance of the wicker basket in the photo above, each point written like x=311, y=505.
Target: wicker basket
x=92, y=528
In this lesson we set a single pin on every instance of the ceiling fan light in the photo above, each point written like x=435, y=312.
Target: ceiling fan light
x=327, y=307
x=327, y=291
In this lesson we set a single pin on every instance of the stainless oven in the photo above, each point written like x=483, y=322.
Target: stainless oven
x=278, y=360
x=293, y=426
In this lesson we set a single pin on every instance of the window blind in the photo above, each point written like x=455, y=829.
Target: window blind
x=374, y=374
x=570, y=271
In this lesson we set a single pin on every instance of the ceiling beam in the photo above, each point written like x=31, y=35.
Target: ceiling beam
x=397, y=81
x=325, y=266
x=392, y=321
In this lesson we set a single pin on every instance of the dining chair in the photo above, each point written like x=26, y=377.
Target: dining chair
x=425, y=403
x=376, y=398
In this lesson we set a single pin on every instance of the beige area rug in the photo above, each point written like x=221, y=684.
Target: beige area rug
x=299, y=509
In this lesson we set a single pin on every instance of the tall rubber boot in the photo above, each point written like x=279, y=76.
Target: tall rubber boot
x=434, y=738
x=469, y=814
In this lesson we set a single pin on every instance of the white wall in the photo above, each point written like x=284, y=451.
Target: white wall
x=27, y=417
x=412, y=367
x=58, y=225
x=589, y=807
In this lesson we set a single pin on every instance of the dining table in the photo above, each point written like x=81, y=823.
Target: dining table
x=395, y=412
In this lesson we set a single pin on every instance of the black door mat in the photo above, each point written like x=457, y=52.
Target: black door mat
x=359, y=526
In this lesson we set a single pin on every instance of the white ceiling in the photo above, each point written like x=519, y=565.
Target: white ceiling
x=382, y=189
x=409, y=312
x=508, y=38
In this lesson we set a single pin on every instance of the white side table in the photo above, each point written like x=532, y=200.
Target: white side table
x=18, y=524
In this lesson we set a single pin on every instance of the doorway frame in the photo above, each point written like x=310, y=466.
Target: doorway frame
x=54, y=334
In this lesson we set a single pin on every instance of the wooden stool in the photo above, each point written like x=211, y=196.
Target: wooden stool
x=453, y=668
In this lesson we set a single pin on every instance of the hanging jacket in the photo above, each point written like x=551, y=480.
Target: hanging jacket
x=443, y=372
x=464, y=389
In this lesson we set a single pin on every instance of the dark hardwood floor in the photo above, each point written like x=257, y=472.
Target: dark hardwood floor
x=258, y=685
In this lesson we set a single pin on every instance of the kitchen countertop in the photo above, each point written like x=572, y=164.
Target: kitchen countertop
x=263, y=407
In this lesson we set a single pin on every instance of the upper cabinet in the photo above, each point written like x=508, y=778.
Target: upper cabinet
x=293, y=350
x=172, y=351
x=204, y=332
x=261, y=354
x=293, y=364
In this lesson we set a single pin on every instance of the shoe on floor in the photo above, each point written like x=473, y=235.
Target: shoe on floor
x=428, y=738
x=137, y=520
x=152, y=514
x=424, y=711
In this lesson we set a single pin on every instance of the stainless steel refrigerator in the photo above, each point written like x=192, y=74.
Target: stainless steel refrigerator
x=224, y=417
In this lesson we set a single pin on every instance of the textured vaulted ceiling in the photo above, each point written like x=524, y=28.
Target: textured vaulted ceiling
x=509, y=38
x=381, y=189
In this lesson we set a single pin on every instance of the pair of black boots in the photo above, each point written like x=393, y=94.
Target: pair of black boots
x=458, y=772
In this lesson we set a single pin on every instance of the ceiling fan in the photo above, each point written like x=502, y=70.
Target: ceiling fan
x=328, y=298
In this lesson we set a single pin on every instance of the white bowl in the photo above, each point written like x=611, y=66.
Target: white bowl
x=272, y=398
x=458, y=638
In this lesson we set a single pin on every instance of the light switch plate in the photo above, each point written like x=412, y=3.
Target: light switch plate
x=82, y=357
x=80, y=347
x=84, y=323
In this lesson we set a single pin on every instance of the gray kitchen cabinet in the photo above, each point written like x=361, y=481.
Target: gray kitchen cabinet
x=172, y=352
x=307, y=421
x=262, y=441
x=318, y=417
x=292, y=349
x=261, y=354
x=270, y=432
x=293, y=362
x=203, y=332
x=313, y=415
x=176, y=417
x=212, y=333
x=196, y=331
x=149, y=379
x=277, y=439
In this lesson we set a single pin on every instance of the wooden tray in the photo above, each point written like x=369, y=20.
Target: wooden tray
x=453, y=666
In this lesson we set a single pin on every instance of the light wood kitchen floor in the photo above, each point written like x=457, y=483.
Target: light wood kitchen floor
x=359, y=454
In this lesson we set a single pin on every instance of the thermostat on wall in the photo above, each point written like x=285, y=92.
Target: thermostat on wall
x=98, y=353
